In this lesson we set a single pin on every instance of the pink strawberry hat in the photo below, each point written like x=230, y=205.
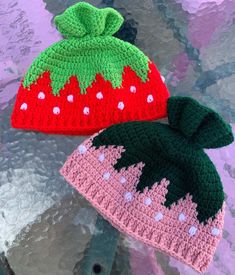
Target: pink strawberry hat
x=154, y=182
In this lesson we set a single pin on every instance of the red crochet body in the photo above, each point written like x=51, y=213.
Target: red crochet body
x=71, y=112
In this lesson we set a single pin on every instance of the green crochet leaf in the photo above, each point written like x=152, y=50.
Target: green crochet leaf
x=85, y=58
x=83, y=19
x=89, y=50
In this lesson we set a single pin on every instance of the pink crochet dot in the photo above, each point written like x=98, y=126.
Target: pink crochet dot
x=24, y=106
x=182, y=217
x=158, y=216
x=41, y=95
x=82, y=149
x=150, y=98
x=121, y=105
x=215, y=231
x=99, y=95
x=101, y=157
x=128, y=196
x=133, y=89
x=147, y=201
x=56, y=110
x=70, y=98
x=192, y=230
x=86, y=111
x=122, y=180
x=106, y=176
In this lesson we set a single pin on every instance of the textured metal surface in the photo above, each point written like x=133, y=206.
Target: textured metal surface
x=45, y=226
x=5, y=269
x=100, y=254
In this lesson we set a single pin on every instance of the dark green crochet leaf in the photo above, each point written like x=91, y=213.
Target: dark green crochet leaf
x=175, y=152
x=167, y=155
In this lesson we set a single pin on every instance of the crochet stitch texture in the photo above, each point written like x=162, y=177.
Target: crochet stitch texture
x=154, y=182
x=90, y=79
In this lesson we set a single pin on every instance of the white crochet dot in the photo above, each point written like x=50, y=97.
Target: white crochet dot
x=56, y=110
x=122, y=180
x=82, y=149
x=41, y=95
x=128, y=196
x=106, y=176
x=99, y=95
x=182, y=217
x=133, y=89
x=121, y=105
x=163, y=78
x=192, y=230
x=158, y=216
x=24, y=106
x=86, y=111
x=147, y=201
x=215, y=231
x=70, y=98
x=150, y=98
x=101, y=157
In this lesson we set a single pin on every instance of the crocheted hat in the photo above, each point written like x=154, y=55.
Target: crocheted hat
x=90, y=80
x=154, y=182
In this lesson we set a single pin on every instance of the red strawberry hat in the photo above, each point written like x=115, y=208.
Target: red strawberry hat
x=90, y=79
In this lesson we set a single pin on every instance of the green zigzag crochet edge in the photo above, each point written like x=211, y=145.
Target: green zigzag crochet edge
x=85, y=58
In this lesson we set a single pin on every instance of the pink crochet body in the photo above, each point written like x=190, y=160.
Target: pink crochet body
x=175, y=230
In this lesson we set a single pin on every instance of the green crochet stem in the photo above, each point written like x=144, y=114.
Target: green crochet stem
x=88, y=50
x=175, y=152
x=84, y=19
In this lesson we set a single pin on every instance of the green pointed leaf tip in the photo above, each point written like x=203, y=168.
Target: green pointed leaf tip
x=85, y=58
x=88, y=50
